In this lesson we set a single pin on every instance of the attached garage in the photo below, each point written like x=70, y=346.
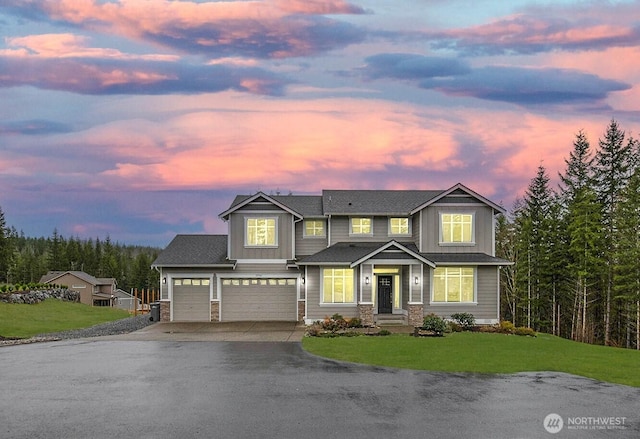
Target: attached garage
x=191, y=300
x=259, y=300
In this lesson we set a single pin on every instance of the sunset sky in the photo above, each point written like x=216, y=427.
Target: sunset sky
x=140, y=119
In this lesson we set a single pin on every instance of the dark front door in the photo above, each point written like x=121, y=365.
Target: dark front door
x=385, y=294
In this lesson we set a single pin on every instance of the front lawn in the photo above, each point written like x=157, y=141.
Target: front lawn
x=484, y=353
x=52, y=315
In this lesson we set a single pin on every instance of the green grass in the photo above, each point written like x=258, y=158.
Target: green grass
x=52, y=315
x=484, y=353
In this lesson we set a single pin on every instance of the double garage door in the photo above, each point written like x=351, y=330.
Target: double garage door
x=258, y=299
x=240, y=299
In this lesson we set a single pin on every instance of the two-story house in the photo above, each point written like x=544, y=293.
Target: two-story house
x=372, y=254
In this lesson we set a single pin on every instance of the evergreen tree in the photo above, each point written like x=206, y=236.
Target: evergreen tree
x=535, y=249
x=627, y=265
x=613, y=165
x=5, y=248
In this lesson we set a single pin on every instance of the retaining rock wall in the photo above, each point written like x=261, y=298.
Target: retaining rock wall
x=37, y=296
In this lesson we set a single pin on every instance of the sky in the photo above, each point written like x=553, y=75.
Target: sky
x=142, y=119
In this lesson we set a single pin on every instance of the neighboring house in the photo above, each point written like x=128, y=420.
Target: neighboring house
x=125, y=300
x=373, y=254
x=93, y=291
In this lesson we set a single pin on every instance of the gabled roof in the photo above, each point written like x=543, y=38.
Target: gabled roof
x=240, y=201
x=465, y=259
x=374, y=202
x=457, y=188
x=354, y=254
x=195, y=251
x=91, y=280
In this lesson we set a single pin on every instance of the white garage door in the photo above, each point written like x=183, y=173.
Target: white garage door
x=191, y=301
x=259, y=299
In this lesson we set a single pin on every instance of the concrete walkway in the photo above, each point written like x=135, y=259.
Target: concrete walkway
x=226, y=331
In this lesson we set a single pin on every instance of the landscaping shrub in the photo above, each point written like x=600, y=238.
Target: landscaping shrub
x=522, y=330
x=434, y=323
x=454, y=327
x=354, y=322
x=506, y=327
x=464, y=319
x=384, y=332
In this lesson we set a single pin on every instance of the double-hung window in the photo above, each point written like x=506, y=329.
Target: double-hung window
x=314, y=228
x=456, y=228
x=338, y=285
x=261, y=232
x=398, y=226
x=454, y=285
x=361, y=226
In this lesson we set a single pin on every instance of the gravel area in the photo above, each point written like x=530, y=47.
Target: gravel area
x=122, y=326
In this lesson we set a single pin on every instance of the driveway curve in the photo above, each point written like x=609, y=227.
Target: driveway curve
x=174, y=389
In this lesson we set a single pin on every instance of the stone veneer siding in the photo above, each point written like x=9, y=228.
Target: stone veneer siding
x=165, y=311
x=301, y=307
x=416, y=314
x=365, y=313
x=215, y=311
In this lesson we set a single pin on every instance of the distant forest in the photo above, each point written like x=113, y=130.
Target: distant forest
x=576, y=247
x=24, y=260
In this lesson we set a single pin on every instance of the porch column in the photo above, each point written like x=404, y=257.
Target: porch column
x=416, y=314
x=365, y=314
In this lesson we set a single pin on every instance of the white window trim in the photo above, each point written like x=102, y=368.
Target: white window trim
x=324, y=228
x=360, y=234
x=246, y=231
x=355, y=291
x=457, y=244
x=475, y=287
x=390, y=233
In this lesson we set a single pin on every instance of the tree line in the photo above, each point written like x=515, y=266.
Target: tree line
x=576, y=247
x=25, y=260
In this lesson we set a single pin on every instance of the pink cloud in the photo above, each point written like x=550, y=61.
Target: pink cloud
x=255, y=28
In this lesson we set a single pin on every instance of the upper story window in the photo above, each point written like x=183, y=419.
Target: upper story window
x=261, y=232
x=454, y=285
x=398, y=226
x=314, y=228
x=360, y=226
x=456, y=228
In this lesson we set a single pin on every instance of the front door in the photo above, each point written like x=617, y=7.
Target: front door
x=385, y=293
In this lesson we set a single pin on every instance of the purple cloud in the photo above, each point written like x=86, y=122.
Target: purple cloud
x=99, y=77
x=526, y=86
x=412, y=66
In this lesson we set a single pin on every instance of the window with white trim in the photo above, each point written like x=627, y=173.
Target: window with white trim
x=338, y=285
x=398, y=226
x=360, y=226
x=456, y=228
x=261, y=232
x=454, y=285
x=314, y=228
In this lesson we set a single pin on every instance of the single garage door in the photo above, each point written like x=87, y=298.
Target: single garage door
x=191, y=301
x=259, y=299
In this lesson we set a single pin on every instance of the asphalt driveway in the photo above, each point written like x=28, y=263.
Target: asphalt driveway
x=221, y=331
x=97, y=388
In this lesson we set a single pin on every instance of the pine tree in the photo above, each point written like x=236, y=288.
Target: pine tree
x=534, y=225
x=613, y=165
x=5, y=248
x=627, y=266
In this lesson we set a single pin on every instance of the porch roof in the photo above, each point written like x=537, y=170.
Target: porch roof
x=465, y=259
x=355, y=253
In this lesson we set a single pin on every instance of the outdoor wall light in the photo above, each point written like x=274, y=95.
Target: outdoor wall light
x=416, y=280
x=164, y=280
x=302, y=280
x=366, y=280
